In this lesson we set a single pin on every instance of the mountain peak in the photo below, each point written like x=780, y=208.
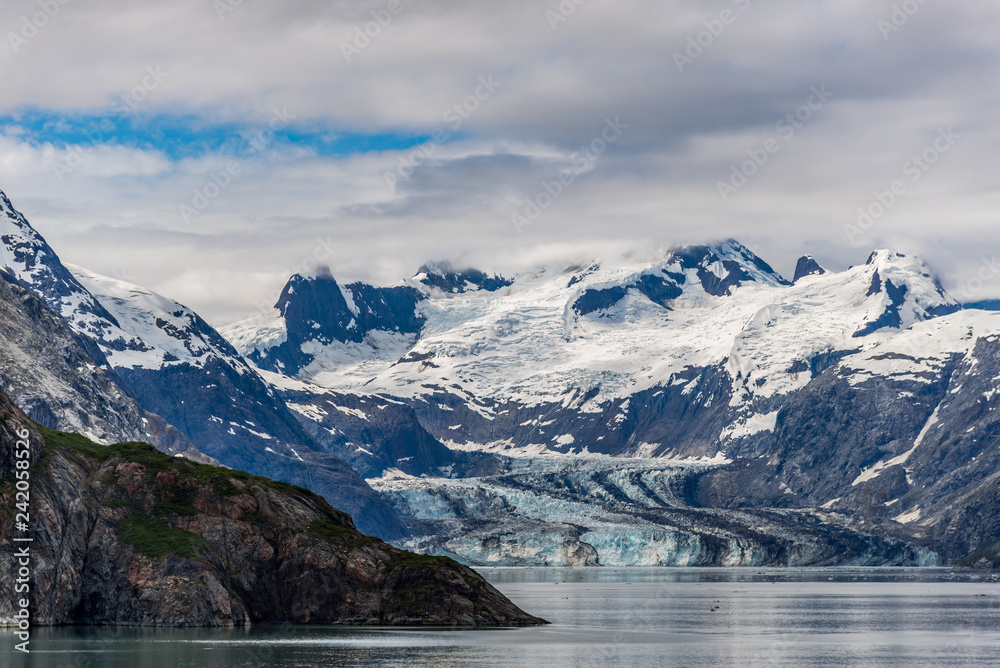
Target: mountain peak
x=439, y=267
x=21, y=247
x=807, y=266
x=320, y=273
x=5, y=201
x=312, y=291
x=443, y=276
x=884, y=255
x=26, y=255
x=723, y=266
x=904, y=289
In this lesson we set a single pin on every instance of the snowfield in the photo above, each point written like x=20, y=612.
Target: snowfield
x=531, y=344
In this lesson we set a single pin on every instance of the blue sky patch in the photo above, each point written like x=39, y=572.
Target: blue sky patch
x=181, y=136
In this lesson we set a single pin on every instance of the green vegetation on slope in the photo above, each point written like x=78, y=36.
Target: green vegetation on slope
x=412, y=560
x=156, y=539
x=151, y=533
x=328, y=531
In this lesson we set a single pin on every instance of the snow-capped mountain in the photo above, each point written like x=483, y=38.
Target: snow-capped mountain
x=688, y=406
x=63, y=383
x=173, y=364
x=373, y=433
x=703, y=356
x=906, y=430
x=182, y=368
x=35, y=266
x=318, y=324
x=690, y=355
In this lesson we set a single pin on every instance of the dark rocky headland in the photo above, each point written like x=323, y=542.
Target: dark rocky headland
x=125, y=534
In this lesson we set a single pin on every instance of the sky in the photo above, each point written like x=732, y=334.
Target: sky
x=209, y=149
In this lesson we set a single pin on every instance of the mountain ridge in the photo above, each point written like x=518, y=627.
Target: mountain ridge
x=813, y=393
x=168, y=360
x=680, y=358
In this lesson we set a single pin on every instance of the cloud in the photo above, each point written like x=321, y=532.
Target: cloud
x=657, y=183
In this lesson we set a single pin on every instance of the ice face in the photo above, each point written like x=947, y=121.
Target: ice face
x=571, y=511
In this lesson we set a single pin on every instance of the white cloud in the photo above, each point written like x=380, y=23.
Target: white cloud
x=119, y=210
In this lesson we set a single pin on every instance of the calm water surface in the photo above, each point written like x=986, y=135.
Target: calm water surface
x=614, y=617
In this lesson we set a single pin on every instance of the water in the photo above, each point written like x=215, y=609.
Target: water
x=842, y=618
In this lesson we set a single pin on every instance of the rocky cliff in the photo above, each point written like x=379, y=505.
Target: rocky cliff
x=62, y=380
x=124, y=534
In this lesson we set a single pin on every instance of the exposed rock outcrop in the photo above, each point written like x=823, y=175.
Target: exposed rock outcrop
x=807, y=266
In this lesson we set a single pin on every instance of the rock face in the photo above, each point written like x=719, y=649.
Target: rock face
x=127, y=535
x=807, y=266
x=444, y=277
x=375, y=434
x=61, y=379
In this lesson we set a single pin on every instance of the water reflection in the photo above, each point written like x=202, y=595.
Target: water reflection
x=607, y=617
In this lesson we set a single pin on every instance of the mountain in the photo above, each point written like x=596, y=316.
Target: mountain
x=688, y=406
x=713, y=404
x=317, y=322
x=443, y=277
x=907, y=430
x=124, y=534
x=53, y=371
x=690, y=355
x=181, y=367
x=36, y=267
x=167, y=360
x=63, y=381
x=807, y=266
x=374, y=434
